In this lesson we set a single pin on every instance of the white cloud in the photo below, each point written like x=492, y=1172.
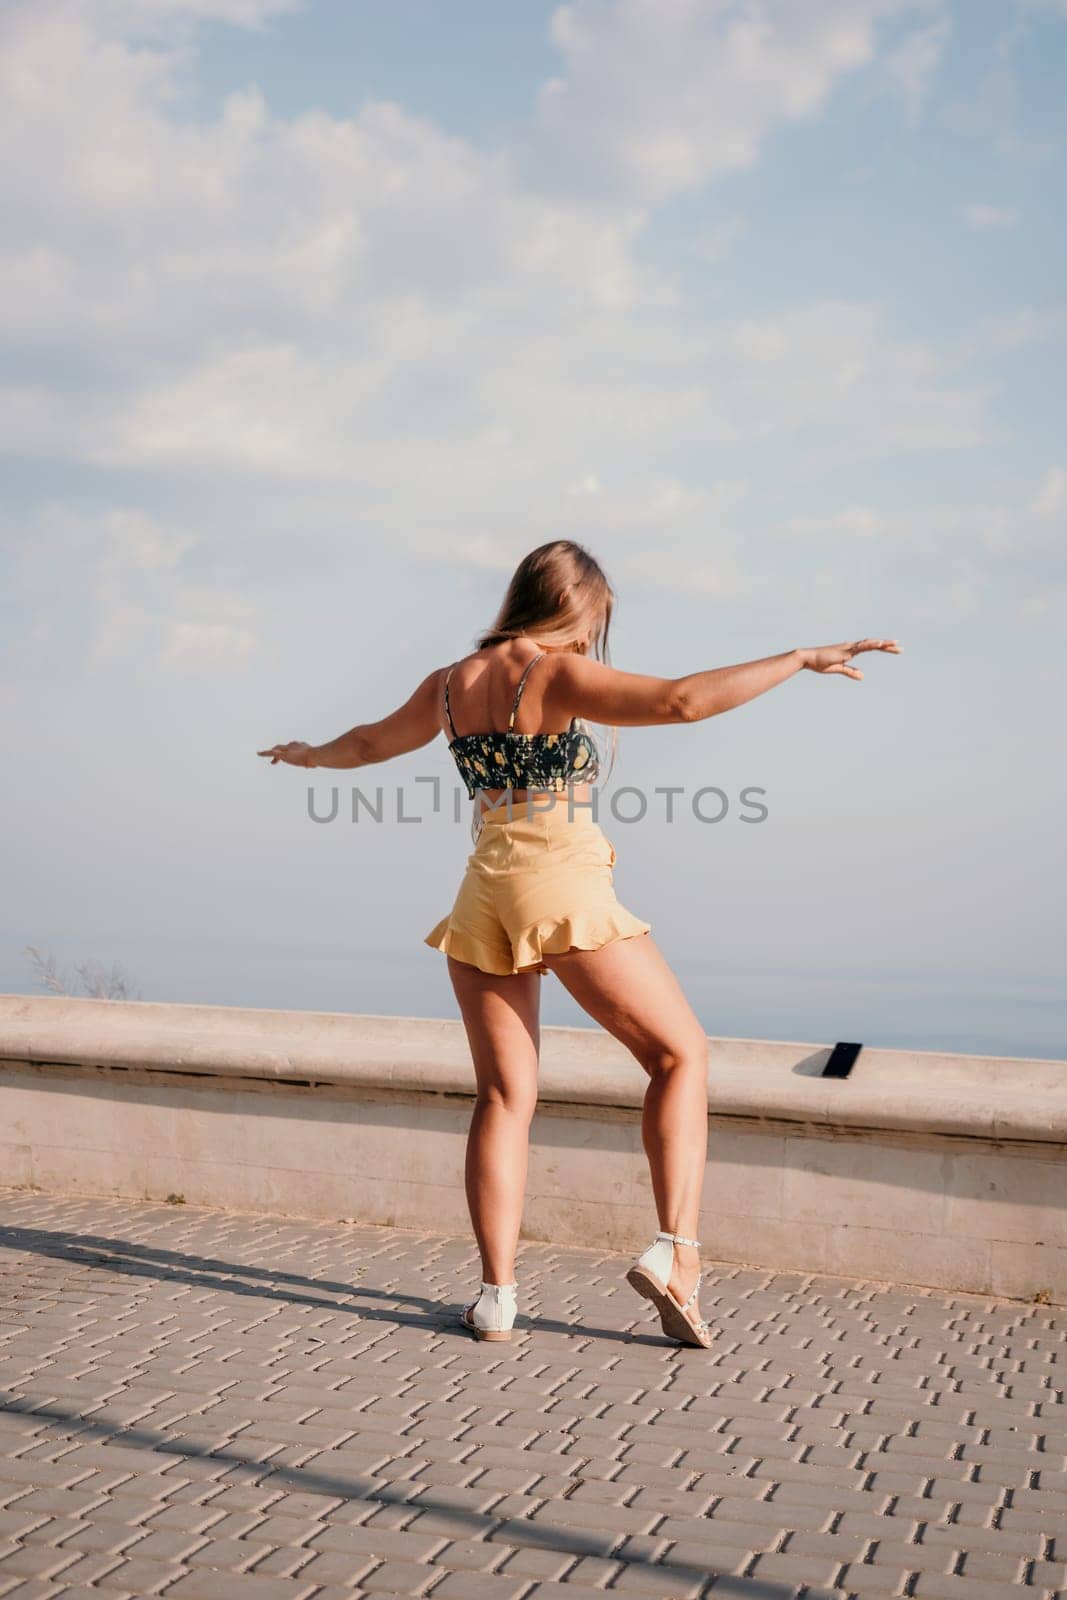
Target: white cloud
x=934, y=561
x=369, y=301
x=925, y=562
x=853, y=522
x=385, y=416
x=205, y=646
x=654, y=102
x=139, y=16
x=354, y=328
x=667, y=534
x=991, y=110
x=911, y=65
x=589, y=484
x=1051, y=497
x=1047, y=604
x=716, y=243
x=999, y=335
x=980, y=215
x=133, y=224
x=119, y=581
x=966, y=588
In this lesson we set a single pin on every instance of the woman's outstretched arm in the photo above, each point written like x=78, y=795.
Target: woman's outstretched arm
x=409, y=727
x=585, y=687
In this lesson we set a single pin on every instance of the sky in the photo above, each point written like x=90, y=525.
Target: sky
x=315, y=317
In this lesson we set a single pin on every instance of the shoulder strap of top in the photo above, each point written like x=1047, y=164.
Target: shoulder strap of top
x=522, y=685
x=448, y=708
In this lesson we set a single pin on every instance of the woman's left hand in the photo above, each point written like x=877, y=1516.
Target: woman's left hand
x=296, y=753
x=838, y=657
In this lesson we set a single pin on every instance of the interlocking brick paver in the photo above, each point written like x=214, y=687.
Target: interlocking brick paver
x=938, y=1586
x=530, y=1563
x=862, y=1581
x=661, y=1581
x=513, y=1506
x=221, y=1407
x=408, y=1578
x=563, y=1591
x=333, y=1567
x=487, y=1586
x=793, y=1569
x=1049, y=1575
x=239, y=1586
x=385, y=1542
x=169, y=1544
x=35, y=1561
x=141, y=1577
x=598, y=1518
x=110, y=1538
x=91, y=1568
x=729, y=1552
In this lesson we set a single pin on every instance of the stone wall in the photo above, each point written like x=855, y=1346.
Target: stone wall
x=920, y=1168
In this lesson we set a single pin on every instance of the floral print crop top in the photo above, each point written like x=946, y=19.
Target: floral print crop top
x=513, y=760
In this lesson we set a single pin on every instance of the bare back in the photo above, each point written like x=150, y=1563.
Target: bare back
x=481, y=698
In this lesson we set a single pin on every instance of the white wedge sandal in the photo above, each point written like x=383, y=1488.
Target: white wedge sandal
x=492, y=1315
x=650, y=1275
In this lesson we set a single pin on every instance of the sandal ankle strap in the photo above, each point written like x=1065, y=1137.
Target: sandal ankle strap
x=678, y=1239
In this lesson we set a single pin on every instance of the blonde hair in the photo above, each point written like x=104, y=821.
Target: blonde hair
x=558, y=594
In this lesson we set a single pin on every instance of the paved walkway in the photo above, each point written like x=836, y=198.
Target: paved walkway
x=218, y=1407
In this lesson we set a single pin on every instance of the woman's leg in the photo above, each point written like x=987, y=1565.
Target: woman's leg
x=501, y=1016
x=629, y=989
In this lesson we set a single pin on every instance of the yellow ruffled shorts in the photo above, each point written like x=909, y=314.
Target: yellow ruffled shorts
x=538, y=881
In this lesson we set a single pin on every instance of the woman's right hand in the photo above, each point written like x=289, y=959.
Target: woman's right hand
x=295, y=753
x=837, y=657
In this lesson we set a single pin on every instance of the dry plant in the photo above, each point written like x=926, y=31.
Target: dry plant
x=97, y=981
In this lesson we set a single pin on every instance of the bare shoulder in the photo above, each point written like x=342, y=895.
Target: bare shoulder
x=432, y=684
x=583, y=686
x=456, y=667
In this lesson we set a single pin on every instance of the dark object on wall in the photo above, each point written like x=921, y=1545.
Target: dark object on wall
x=841, y=1060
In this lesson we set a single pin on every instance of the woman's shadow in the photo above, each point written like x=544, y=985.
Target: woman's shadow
x=135, y=1260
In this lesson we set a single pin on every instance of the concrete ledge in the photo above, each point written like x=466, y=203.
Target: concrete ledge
x=921, y=1168
x=1016, y=1098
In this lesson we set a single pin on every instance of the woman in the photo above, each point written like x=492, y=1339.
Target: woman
x=537, y=897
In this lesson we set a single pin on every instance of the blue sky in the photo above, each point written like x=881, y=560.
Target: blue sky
x=316, y=316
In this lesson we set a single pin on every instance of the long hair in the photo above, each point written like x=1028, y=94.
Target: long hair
x=558, y=593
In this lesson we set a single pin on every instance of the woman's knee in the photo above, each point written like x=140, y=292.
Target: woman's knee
x=518, y=1100
x=686, y=1053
